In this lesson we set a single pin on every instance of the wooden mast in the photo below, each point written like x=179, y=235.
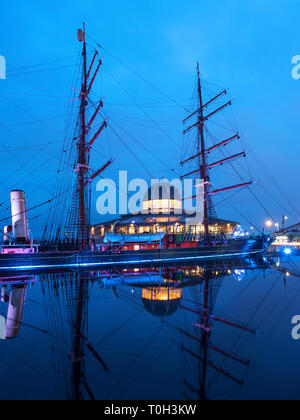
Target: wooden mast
x=82, y=167
x=202, y=154
x=203, y=167
x=84, y=147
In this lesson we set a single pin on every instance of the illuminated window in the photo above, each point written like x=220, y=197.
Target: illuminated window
x=162, y=206
x=132, y=229
x=162, y=293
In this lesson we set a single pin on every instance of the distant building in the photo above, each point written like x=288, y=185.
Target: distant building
x=292, y=237
x=160, y=222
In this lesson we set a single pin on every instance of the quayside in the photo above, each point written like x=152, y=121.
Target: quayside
x=43, y=262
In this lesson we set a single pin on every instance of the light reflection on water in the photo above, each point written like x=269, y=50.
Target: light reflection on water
x=215, y=332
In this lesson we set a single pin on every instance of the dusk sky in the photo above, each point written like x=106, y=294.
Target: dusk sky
x=246, y=47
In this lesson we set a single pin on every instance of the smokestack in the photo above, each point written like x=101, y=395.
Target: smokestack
x=19, y=217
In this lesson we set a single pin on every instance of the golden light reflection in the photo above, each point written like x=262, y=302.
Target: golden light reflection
x=161, y=293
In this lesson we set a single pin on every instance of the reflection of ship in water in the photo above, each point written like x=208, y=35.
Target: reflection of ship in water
x=198, y=340
x=162, y=292
x=162, y=287
x=66, y=299
x=13, y=295
x=66, y=304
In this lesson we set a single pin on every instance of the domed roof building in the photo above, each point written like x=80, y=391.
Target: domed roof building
x=163, y=198
x=161, y=223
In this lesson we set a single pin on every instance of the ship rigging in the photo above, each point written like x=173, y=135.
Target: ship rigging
x=76, y=229
x=203, y=166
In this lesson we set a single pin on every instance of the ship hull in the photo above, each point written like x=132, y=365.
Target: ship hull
x=61, y=261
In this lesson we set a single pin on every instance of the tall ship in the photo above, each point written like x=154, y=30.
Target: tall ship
x=162, y=232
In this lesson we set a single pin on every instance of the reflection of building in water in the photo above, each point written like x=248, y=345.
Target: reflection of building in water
x=161, y=291
x=195, y=290
x=15, y=299
x=162, y=288
x=161, y=301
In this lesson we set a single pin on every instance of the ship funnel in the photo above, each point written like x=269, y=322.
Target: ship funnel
x=6, y=232
x=19, y=217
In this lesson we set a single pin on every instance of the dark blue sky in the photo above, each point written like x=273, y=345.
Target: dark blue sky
x=244, y=46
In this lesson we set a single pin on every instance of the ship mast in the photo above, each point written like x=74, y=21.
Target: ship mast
x=202, y=154
x=84, y=146
x=203, y=166
x=82, y=157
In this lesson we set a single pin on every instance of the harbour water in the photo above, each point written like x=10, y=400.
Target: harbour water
x=144, y=335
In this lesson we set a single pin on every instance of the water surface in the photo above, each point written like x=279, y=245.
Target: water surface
x=152, y=334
